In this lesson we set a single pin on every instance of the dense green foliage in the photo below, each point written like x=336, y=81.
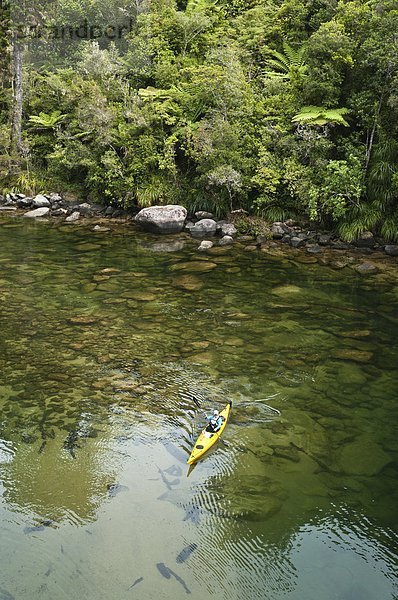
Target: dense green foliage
x=282, y=107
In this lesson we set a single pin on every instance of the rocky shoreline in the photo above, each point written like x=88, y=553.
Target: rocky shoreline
x=314, y=246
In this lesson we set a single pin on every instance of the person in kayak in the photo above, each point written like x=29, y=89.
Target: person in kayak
x=215, y=421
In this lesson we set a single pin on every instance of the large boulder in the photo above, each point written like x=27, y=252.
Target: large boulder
x=41, y=201
x=162, y=219
x=204, y=228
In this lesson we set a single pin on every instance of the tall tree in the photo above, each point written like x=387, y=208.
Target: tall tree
x=17, y=94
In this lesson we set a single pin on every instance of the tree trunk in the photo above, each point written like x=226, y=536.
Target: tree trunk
x=17, y=95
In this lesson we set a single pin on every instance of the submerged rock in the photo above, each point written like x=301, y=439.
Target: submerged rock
x=286, y=290
x=363, y=457
x=189, y=282
x=82, y=320
x=199, y=266
x=356, y=333
x=361, y=356
x=162, y=219
x=366, y=268
x=286, y=452
x=169, y=246
x=140, y=296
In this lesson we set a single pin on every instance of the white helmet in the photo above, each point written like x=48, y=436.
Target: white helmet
x=215, y=413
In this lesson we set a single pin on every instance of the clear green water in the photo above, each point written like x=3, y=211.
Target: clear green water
x=104, y=339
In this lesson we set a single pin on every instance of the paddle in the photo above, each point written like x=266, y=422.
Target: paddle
x=194, y=398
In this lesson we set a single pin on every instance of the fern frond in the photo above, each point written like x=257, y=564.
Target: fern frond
x=295, y=57
x=319, y=115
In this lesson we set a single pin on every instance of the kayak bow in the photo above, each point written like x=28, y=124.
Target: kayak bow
x=207, y=439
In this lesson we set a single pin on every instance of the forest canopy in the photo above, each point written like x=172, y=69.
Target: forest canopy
x=286, y=108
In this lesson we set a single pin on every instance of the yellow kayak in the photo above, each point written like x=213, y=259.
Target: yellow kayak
x=207, y=439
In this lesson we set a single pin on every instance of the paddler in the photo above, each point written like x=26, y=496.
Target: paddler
x=215, y=421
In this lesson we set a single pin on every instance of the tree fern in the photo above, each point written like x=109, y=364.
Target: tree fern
x=287, y=64
x=47, y=120
x=319, y=115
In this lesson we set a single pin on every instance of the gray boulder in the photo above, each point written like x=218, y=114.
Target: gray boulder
x=40, y=201
x=109, y=211
x=227, y=240
x=324, y=239
x=229, y=229
x=366, y=240
x=339, y=245
x=204, y=228
x=313, y=248
x=296, y=242
x=59, y=212
x=277, y=231
x=202, y=214
x=188, y=225
x=162, y=219
x=391, y=250
x=37, y=212
x=205, y=245
x=221, y=224
x=85, y=209
x=75, y=216
x=24, y=202
x=54, y=197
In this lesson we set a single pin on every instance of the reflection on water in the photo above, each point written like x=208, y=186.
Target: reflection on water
x=108, y=345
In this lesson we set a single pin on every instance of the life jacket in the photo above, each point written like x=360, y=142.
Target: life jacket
x=216, y=421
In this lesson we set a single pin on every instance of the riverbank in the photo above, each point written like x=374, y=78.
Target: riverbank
x=369, y=256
